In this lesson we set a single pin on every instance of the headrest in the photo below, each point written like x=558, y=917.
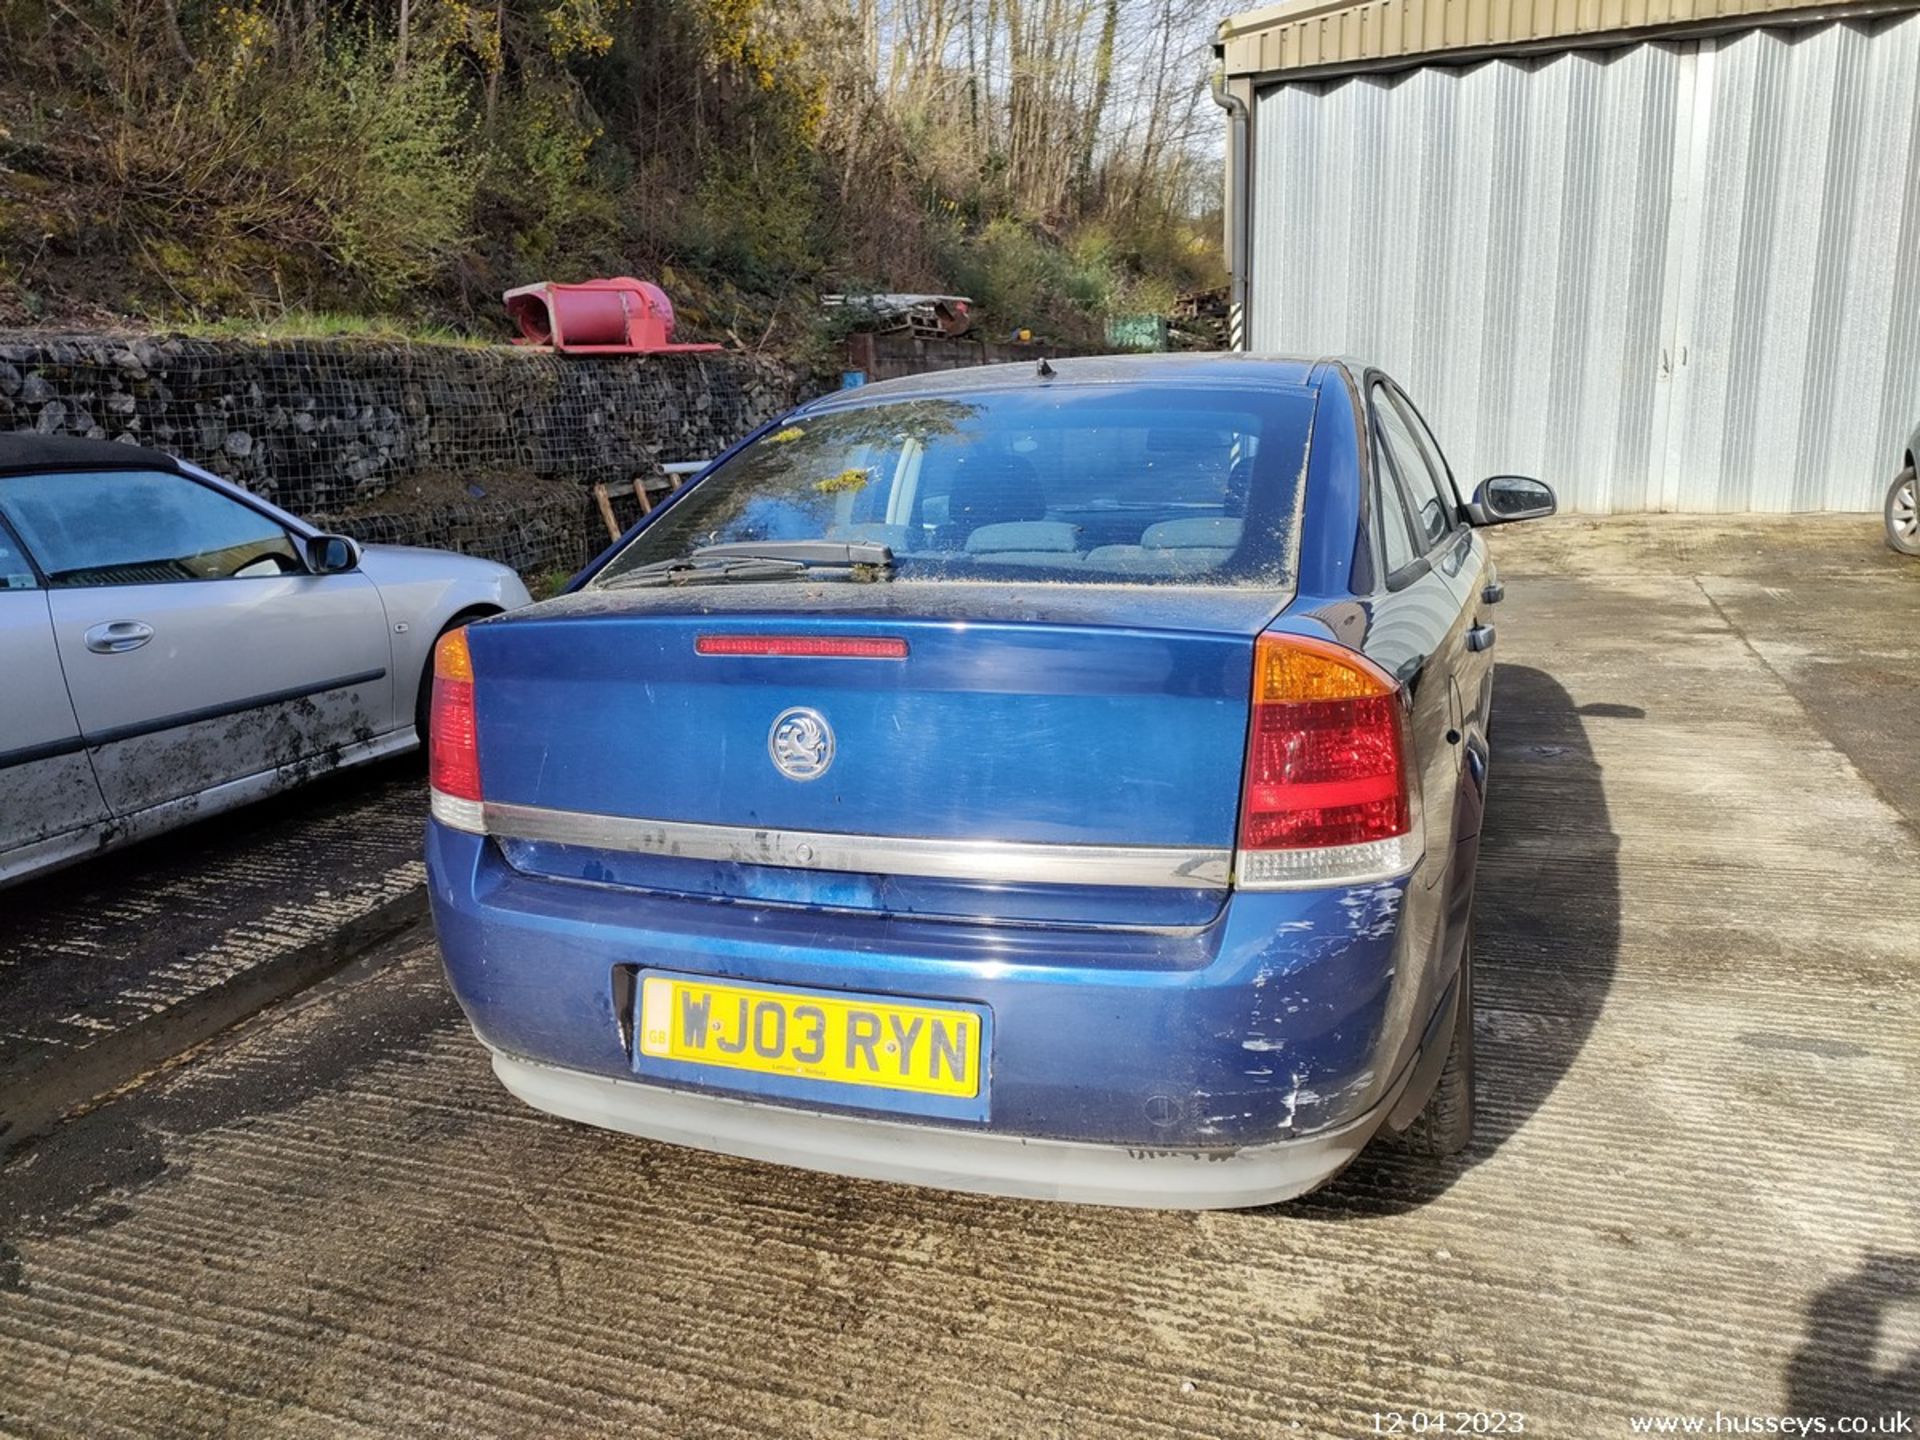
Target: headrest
x=1053, y=536
x=1202, y=532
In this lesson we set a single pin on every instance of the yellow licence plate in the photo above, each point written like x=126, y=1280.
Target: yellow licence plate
x=853, y=1039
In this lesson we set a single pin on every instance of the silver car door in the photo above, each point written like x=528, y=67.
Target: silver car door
x=198, y=647
x=47, y=787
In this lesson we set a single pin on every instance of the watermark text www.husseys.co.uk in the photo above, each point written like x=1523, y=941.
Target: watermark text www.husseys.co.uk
x=1721, y=1422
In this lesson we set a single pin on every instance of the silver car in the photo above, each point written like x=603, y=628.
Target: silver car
x=172, y=646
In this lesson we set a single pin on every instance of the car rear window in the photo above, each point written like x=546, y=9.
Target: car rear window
x=1105, y=484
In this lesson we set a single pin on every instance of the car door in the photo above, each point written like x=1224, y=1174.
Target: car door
x=1425, y=603
x=47, y=787
x=1474, y=581
x=198, y=647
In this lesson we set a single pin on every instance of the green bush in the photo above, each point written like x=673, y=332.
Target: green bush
x=547, y=169
x=390, y=153
x=758, y=223
x=340, y=169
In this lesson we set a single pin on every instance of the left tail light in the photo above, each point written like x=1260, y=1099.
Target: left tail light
x=453, y=762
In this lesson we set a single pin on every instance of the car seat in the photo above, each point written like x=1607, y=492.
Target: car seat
x=983, y=487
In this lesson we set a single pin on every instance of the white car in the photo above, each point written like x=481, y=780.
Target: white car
x=172, y=646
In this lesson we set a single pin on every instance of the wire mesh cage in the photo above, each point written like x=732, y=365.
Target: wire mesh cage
x=439, y=444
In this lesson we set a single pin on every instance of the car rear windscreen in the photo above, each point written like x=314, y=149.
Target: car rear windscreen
x=1100, y=484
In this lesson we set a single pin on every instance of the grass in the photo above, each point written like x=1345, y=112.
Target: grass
x=321, y=325
x=546, y=585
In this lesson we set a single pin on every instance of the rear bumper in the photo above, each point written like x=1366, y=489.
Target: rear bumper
x=982, y=1162
x=1284, y=1021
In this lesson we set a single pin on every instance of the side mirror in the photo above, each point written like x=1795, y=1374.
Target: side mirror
x=332, y=554
x=1506, y=498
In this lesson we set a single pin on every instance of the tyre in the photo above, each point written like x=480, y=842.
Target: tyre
x=1903, y=516
x=1445, y=1125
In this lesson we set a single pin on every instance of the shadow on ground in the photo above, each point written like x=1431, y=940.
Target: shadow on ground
x=1850, y=1362
x=147, y=863
x=1547, y=922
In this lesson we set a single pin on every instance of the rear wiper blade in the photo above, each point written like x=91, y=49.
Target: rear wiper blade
x=807, y=552
x=763, y=560
x=687, y=569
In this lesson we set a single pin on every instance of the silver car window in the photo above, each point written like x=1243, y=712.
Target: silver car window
x=139, y=527
x=15, y=572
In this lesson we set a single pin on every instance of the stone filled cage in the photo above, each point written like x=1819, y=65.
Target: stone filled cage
x=491, y=450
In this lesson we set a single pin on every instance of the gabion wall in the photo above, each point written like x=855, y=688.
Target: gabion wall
x=318, y=426
x=561, y=532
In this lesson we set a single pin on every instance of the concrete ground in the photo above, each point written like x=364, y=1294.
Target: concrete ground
x=110, y=967
x=1695, y=1185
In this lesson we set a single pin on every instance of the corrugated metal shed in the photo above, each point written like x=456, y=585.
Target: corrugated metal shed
x=1309, y=35
x=1663, y=275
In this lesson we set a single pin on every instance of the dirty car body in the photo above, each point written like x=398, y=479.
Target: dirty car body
x=174, y=646
x=1062, y=784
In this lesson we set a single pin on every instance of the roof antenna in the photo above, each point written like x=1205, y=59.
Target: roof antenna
x=1044, y=370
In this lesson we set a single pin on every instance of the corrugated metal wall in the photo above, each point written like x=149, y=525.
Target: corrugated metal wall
x=1662, y=276
x=1798, y=313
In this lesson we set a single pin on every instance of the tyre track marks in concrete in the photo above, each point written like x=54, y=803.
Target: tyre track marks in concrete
x=1693, y=1188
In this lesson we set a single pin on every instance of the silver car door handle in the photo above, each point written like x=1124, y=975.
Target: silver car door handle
x=1480, y=637
x=117, y=636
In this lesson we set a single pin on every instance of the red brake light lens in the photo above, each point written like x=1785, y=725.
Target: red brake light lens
x=1328, y=767
x=843, y=647
x=453, y=765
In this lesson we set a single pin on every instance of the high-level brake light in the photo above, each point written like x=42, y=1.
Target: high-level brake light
x=819, y=647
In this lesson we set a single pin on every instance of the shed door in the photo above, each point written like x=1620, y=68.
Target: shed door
x=1795, y=351
x=1663, y=276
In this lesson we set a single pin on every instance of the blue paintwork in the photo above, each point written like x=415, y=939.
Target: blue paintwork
x=1042, y=714
x=1163, y=1019
x=1138, y=1039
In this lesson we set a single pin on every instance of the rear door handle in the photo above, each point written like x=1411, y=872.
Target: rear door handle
x=1480, y=637
x=118, y=636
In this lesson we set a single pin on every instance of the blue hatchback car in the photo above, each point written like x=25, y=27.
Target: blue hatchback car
x=1059, y=781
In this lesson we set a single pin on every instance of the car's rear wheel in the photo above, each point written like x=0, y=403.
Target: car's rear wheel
x=1903, y=514
x=423, y=700
x=1445, y=1125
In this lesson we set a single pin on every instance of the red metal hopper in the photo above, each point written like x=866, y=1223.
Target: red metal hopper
x=623, y=316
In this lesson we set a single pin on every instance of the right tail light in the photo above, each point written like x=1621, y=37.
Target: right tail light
x=1330, y=796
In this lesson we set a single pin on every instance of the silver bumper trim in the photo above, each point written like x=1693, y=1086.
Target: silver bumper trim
x=994, y=861
x=950, y=1159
